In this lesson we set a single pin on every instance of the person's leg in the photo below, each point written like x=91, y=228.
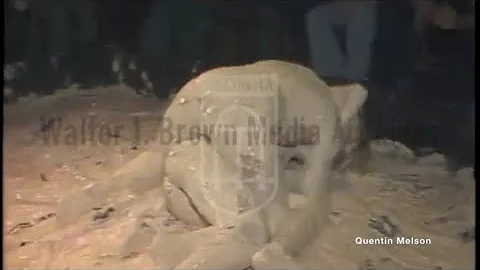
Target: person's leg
x=47, y=42
x=15, y=29
x=268, y=32
x=361, y=29
x=82, y=13
x=35, y=41
x=156, y=39
x=58, y=42
x=83, y=33
x=193, y=34
x=326, y=55
x=156, y=47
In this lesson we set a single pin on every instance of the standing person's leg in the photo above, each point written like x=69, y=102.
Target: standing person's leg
x=47, y=42
x=82, y=39
x=82, y=13
x=361, y=29
x=35, y=40
x=326, y=55
x=156, y=39
x=269, y=32
x=58, y=44
x=156, y=48
x=193, y=35
x=15, y=29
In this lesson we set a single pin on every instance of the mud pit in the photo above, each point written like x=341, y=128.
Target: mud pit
x=403, y=196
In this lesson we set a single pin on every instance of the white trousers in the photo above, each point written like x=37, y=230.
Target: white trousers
x=326, y=54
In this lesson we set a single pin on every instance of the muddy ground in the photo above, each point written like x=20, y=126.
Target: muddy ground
x=46, y=160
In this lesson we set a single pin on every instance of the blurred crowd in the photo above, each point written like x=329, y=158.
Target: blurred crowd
x=154, y=45
x=157, y=45
x=409, y=54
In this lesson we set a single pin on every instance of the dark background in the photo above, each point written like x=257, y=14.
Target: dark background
x=431, y=108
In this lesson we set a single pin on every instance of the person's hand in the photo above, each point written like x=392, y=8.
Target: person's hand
x=445, y=17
